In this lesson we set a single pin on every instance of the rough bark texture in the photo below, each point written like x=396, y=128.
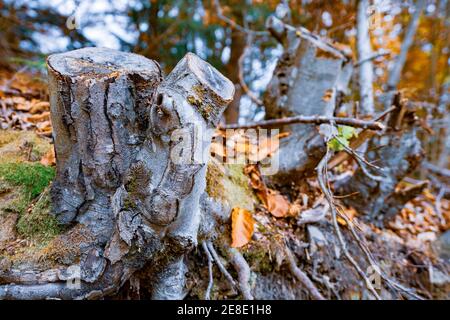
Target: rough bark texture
x=131, y=167
x=398, y=152
x=310, y=75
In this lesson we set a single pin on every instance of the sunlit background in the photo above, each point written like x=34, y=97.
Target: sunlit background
x=165, y=30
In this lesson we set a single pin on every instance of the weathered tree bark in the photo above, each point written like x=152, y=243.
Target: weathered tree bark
x=398, y=152
x=131, y=153
x=310, y=75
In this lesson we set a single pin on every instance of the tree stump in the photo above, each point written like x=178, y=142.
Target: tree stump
x=131, y=152
x=309, y=77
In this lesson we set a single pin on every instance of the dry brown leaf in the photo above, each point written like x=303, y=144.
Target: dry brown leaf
x=277, y=204
x=49, y=159
x=39, y=117
x=242, y=226
x=39, y=107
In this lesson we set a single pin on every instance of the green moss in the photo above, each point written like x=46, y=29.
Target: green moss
x=259, y=257
x=32, y=177
x=15, y=146
x=16, y=202
x=39, y=224
x=230, y=185
x=129, y=204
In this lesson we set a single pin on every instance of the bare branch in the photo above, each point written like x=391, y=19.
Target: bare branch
x=318, y=120
x=363, y=136
x=372, y=57
x=443, y=172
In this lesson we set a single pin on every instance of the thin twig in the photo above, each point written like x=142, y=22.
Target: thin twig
x=372, y=57
x=364, y=135
x=301, y=276
x=322, y=177
x=371, y=260
x=361, y=161
x=358, y=123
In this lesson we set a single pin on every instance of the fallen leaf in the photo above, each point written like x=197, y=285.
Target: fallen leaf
x=49, y=159
x=39, y=117
x=277, y=204
x=39, y=107
x=242, y=225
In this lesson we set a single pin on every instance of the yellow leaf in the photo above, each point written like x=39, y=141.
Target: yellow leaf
x=242, y=225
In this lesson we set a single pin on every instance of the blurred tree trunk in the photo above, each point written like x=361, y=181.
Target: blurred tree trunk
x=308, y=79
x=238, y=43
x=364, y=53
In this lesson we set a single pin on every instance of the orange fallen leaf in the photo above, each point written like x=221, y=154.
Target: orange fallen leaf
x=242, y=225
x=49, y=159
x=277, y=204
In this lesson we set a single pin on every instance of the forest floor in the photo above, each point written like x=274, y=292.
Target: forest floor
x=413, y=249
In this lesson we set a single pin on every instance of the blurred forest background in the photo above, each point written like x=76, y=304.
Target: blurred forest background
x=231, y=35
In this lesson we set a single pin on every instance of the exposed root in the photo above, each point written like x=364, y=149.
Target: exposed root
x=210, y=271
x=222, y=269
x=30, y=277
x=243, y=271
x=301, y=276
